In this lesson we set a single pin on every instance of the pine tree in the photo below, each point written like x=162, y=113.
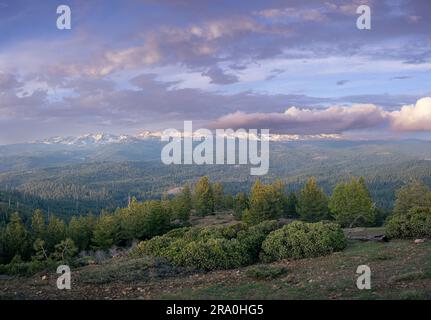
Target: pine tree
x=312, y=202
x=413, y=195
x=239, y=205
x=280, y=198
x=182, y=205
x=140, y=220
x=128, y=220
x=80, y=231
x=292, y=203
x=154, y=219
x=203, y=197
x=4, y=256
x=16, y=241
x=165, y=201
x=38, y=225
x=262, y=205
x=55, y=232
x=351, y=204
x=218, y=196
x=228, y=201
x=41, y=253
x=65, y=251
x=105, y=232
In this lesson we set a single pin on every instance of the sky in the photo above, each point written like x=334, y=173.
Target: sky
x=296, y=67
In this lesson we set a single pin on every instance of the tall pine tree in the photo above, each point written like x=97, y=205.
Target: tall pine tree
x=312, y=202
x=182, y=204
x=218, y=196
x=415, y=194
x=16, y=240
x=261, y=205
x=55, y=232
x=240, y=203
x=351, y=204
x=203, y=197
x=38, y=225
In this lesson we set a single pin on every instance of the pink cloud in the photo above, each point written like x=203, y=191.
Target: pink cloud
x=333, y=119
x=413, y=117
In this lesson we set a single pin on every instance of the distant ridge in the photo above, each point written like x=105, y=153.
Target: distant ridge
x=106, y=138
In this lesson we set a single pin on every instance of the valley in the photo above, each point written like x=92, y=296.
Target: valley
x=76, y=179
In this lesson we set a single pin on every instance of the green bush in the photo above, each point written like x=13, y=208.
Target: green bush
x=264, y=272
x=303, y=240
x=251, y=239
x=209, y=248
x=415, y=224
x=211, y=254
x=21, y=268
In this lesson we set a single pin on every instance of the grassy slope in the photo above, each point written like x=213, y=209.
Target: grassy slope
x=400, y=270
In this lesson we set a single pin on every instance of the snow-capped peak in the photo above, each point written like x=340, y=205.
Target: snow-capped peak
x=88, y=139
x=105, y=138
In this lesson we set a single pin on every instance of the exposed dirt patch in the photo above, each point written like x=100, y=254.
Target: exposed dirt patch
x=225, y=218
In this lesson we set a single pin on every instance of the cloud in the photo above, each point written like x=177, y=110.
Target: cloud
x=218, y=76
x=94, y=80
x=401, y=78
x=294, y=13
x=347, y=8
x=334, y=119
x=8, y=81
x=413, y=117
x=342, y=82
x=197, y=44
x=26, y=106
x=91, y=104
x=414, y=19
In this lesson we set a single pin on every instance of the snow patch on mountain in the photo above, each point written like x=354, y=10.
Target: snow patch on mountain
x=104, y=138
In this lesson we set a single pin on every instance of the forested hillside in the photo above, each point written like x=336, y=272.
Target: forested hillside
x=263, y=230
x=135, y=170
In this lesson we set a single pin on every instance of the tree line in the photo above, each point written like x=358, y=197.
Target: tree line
x=41, y=238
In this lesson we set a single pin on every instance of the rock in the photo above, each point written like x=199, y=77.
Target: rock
x=379, y=238
x=417, y=241
x=44, y=277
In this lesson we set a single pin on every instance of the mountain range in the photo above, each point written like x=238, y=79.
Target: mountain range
x=90, y=172
x=106, y=138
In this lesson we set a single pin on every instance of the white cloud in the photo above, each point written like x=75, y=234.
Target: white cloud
x=334, y=119
x=413, y=117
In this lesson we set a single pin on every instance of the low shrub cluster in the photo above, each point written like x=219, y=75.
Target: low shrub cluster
x=303, y=240
x=235, y=246
x=210, y=248
x=416, y=223
x=265, y=272
x=17, y=267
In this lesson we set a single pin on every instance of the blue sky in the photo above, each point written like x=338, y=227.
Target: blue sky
x=290, y=66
